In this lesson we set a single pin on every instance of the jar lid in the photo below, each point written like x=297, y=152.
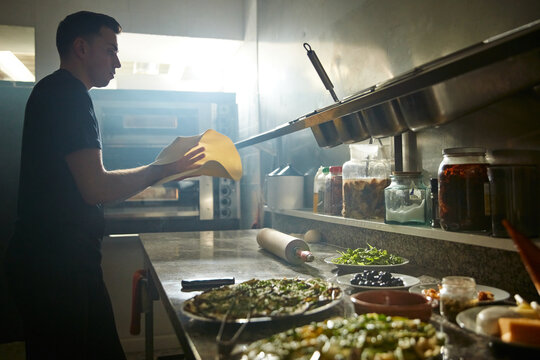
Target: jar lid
x=458, y=281
x=464, y=151
x=336, y=169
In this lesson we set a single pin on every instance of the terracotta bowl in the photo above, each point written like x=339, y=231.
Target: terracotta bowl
x=393, y=303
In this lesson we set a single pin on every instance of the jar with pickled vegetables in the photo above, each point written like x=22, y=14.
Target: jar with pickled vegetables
x=365, y=176
x=333, y=197
x=464, y=190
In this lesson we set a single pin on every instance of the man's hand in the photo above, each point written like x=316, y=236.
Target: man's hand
x=186, y=163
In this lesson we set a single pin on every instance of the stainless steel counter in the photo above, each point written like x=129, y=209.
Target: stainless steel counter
x=171, y=257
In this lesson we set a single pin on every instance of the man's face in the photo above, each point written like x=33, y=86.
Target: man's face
x=102, y=59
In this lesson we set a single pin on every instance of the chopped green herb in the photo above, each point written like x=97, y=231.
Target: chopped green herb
x=367, y=256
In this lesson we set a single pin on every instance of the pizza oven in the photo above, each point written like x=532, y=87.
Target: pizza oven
x=135, y=125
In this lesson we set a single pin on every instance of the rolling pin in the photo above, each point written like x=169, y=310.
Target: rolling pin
x=287, y=247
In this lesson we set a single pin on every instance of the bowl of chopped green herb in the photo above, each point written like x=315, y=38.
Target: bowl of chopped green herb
x=352, y=260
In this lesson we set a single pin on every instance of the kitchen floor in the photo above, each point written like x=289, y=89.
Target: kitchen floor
x=15, y=351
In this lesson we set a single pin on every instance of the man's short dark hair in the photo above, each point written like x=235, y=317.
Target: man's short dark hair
x=83, y=24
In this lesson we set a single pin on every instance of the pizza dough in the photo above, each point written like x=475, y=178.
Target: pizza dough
x=221, y=157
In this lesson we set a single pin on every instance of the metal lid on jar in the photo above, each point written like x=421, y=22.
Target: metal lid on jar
x=458, y=281
x=464, y=151
x=336, y=169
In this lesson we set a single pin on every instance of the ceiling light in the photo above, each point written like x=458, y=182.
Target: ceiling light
x=14, y=68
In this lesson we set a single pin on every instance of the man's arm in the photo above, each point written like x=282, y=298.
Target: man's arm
x=99, y=186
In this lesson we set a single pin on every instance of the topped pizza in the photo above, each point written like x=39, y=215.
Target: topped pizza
x=368, y=336
x=263, y=298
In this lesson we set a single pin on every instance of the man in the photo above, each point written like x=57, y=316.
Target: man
x=53, y=262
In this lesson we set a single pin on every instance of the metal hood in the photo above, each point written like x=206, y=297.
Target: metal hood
x=429, y=95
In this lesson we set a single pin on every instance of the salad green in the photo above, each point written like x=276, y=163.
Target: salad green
x=367, y=256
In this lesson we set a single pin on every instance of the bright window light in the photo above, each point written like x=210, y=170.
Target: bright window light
x=14, y=68
x=160, y=62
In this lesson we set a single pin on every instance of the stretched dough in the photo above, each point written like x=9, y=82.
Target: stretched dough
x=221, y=157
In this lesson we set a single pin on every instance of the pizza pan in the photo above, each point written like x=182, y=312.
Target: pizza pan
x=316, y=310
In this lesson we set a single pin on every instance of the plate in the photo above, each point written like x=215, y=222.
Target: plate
x=357, y=268
x=498, y=294
x=467, y=320
x=269, y=318
x=408, y=281
x=322, y=307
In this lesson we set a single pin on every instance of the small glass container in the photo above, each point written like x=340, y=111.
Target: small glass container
x=321, y=183
x=458, y=293
x=434, y=197
x=318, y=180
x=333, y=197
x=406, y=199
x=464, y=190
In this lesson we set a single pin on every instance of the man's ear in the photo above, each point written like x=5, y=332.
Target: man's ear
x=80, y=47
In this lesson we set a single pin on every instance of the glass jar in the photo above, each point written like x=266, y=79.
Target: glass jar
x=434, y=197
x=464, y=190
x=406, y=199
x=514, y=193
x=333, y=196
x=365, y=176
x=318, y=182
x=458, y=293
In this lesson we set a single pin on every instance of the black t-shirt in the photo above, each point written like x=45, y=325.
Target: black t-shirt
x=59, y=120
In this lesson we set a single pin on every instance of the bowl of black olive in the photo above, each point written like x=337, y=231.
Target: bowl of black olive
x=392, y=303
x=377, y=279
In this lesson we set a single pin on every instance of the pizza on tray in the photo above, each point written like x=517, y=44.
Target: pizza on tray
x=262, y=298
x=367, y=337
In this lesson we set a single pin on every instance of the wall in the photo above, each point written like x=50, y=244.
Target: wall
x=361, y=43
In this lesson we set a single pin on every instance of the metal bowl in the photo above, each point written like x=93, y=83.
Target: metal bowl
x=384, y=119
